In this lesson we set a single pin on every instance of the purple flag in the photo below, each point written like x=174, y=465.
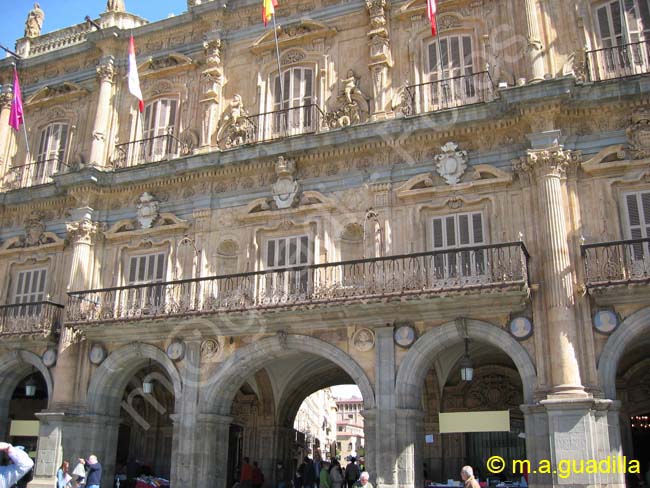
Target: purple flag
x=16, y=114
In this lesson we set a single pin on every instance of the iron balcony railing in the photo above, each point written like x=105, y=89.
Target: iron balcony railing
x=32, y=174
x=429, y=273
x=149, y=150
x=253, y=129
x=447, y=93
x=41, y=318
x=619, y=61
x=616, y=263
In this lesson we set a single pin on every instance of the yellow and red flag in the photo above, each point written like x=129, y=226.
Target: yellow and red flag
x=268, y=10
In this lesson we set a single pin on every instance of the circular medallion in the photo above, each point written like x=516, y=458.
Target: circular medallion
x=363, y=340
x=49, y=358
x=605, y=321
x=209, y=349
x=404, y=336
x=176, y=350
x=97, y=354
x=521, y=328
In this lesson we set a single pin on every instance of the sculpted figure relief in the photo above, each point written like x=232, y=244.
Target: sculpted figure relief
x=115, y=6
x=34, y=23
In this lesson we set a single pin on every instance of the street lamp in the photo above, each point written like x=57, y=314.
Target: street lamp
x=466, y=366
x=30, y=387
x=147, y=383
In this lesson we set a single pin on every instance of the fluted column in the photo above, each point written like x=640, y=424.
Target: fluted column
x=534, y=47
x=545, y=169
x=105, y=73
x=5, y=109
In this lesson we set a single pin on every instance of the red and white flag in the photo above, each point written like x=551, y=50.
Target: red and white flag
x=431, y=13
x=16, y=113
x=134, y=79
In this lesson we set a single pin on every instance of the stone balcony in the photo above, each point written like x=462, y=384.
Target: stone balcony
x=615, y=62
x=30, y=319
x=406, y=287
x=618, y=271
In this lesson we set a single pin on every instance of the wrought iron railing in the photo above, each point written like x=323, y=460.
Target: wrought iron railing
x=149, y=150
x=41, y=318
x=252, y=129
x=429, y=273
x=32, y=174
x=447, y=93
x=619, y=61
x=619, y=262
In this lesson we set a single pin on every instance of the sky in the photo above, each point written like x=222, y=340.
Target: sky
x=346, y=391
x=64, y=13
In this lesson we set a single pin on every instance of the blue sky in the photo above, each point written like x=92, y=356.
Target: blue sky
x=63, y=13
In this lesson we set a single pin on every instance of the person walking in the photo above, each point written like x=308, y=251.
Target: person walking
x=467, y=475
x=257, y=477
x=352, y=472
x=363, y=481
x=22, y=463
x=308, y=474
x=281, y=475
x=63, y=478
x=336, y=474
x=93, y=471
x=324, y=477
x=246, y=477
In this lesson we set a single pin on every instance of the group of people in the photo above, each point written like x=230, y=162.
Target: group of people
x=87, y=473
x=319, y=474
x=251, y=476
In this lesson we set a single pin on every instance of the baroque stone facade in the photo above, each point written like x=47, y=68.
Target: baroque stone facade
x=386, y=207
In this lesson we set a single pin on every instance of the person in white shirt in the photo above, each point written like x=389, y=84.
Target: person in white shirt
x=22, y=463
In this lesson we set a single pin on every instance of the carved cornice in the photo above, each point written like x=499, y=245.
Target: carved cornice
x=298, y=34
x=554, y=161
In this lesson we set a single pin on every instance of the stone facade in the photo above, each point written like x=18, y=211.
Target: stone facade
x=251, y=239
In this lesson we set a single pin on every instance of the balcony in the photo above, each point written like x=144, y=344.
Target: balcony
x=37, y=318
x=501, y=268
x=619, y=61
x=32, y=174
x=150, y=150
x=254, y=129
x=448, y=93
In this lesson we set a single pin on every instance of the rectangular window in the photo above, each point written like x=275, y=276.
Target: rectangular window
x=51, y=153
x=146, y=269
x=450, y=70
x=292, y=105
x=289, y=256
x=30, y=289
x=455, y=232
x=159, y=130
x=638, y=223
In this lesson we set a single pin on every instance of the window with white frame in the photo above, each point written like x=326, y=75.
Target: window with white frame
x=146, y=269
x=637, y=206
x=160, y=118
x=449, y=67
x=286, y=253
x=52, y=145
x=292, y=101
x=29, y=289
x=453, y=233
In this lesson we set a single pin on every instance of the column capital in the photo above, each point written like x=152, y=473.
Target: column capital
x=553, y=161
x=84, y=231
x=106, y=69
x=212, y=49
x=6, y=97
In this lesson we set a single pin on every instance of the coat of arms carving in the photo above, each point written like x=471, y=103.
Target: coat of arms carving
x=286, y=188
x=148, y=210
x=638, y=133
x=451, y=163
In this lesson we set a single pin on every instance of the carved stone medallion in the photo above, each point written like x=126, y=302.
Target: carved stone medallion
x=451, y=163
x=363, y=340
x=209, y=349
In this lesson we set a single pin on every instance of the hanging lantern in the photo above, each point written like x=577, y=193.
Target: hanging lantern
x=466, y=366
x=30, y=387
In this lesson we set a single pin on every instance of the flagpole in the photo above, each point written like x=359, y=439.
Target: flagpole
x=277, y=55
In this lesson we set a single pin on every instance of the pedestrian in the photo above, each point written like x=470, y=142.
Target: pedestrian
x=352, y=472
x=336, y=474
x=246, y=477
x=63, y=478
x=467, y=475
x=93, y=471
x=308, y=473
x=363, y=481
x=257, y=477
x=280, y=475
x=324, y=478
x=22, y=464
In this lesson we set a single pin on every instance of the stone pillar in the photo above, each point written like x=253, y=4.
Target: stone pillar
x=544, y=168
x=106, y=73
x=5, y=108
x=380, y=56
x=537, y=445
x=535, y=47
x=410, y=446
x=212, y=434
x=212, y=84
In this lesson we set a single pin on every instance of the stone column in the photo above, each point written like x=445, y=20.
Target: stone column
x=537, y=445
x=212, y=434
x=5, y=108
x=410, y=445
x=544, y=168
x=380, y=56
x=534, y=47
x=212, y=84
x=105, y=73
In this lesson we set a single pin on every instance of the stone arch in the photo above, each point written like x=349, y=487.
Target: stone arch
x=233, y=372
x=16, y=365
x=108, y=382
x=417, y=362
x=629, y=330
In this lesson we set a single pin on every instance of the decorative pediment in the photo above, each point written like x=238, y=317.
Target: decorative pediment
x=296, y=34
x=34, y=236
x=265, y=208
x=611, y=161
x=56, y=93
x=165, y=64
x=465, y=7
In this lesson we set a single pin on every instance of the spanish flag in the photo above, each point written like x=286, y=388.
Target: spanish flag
x=268, y=10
